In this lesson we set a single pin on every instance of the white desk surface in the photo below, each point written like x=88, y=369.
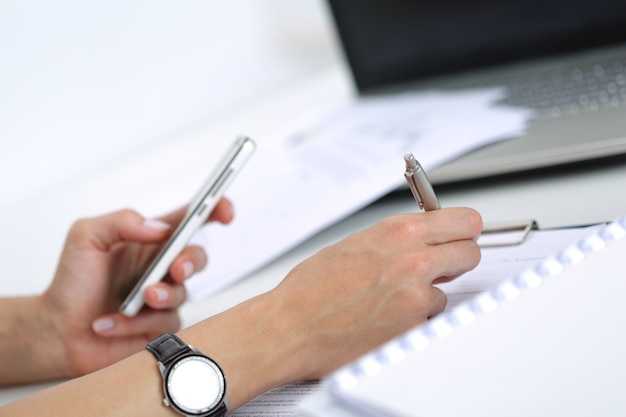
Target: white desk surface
x=38, y=224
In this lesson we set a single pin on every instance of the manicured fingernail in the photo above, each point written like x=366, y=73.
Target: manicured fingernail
x=188, y=268
x=103, y=324
x=162, y=294
x=156, y=224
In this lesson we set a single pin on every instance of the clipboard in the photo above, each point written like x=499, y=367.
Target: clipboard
x=505, y=349
x=508, y=233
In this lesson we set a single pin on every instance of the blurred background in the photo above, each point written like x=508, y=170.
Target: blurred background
x=115, y=104
x=84, y=85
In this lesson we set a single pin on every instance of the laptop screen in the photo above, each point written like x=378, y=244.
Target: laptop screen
x=393, y=41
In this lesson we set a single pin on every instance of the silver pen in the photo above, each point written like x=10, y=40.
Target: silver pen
x=420, y=186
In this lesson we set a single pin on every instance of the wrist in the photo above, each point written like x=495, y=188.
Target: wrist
x=253, y=346
x=31, y=348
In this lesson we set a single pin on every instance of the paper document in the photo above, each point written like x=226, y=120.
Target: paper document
x=279, y=402
x=302, y=182
x=546, y=341
x=497, y=264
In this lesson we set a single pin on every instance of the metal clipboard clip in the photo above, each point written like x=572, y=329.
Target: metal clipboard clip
x=510, y=233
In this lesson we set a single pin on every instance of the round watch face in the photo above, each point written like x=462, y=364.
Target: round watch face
x=195, y=384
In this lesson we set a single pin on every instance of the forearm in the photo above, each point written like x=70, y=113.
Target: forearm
x=330, y=309
x=245, y=341
x=256, y=345
x=29, y=348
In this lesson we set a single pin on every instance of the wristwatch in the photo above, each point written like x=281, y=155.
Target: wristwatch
x=193, y=384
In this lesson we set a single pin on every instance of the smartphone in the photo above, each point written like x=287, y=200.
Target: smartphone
x=199, y=210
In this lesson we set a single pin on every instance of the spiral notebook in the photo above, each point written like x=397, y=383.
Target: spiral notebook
x=550, y=341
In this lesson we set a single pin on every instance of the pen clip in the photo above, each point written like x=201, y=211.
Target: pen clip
x=413, y=187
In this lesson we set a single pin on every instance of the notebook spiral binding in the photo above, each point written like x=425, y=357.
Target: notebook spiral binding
x=444, y=324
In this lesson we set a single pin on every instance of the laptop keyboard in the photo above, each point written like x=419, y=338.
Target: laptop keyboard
x=572, y=91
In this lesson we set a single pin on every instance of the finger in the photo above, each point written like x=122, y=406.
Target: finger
x=450, y=224
x=191, y=260
x=164, y=296
x=146, y=322
x=175, y=217
x=450, y=260
x=223, y=213
x=444, y=279
x=439, y=301
x=124, y=225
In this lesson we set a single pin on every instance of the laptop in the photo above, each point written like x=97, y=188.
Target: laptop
x=566, y=59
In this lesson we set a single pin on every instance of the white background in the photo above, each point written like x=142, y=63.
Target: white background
x=84, y=85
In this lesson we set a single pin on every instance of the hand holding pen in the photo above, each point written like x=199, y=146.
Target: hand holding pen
x=420, y=186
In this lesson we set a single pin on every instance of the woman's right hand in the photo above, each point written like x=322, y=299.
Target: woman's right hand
x=342, y=302
x=376, y=284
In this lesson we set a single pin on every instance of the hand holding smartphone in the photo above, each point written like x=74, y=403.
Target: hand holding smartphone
x=198, y=212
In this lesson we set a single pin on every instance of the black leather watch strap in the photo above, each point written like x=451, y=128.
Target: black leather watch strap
x=167, y=348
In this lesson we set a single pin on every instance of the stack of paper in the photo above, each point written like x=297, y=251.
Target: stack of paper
x=300, y=183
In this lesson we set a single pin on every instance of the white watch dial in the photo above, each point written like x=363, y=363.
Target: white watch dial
x=195, y=384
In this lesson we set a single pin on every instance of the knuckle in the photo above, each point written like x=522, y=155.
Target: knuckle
x=405, y=227
x=425, y=263
x=420, y=265
x=126, y=215
x=393, y=224
x=80, y=229
x=415, y=299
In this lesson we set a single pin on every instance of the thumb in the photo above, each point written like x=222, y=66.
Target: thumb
x=121, y=226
